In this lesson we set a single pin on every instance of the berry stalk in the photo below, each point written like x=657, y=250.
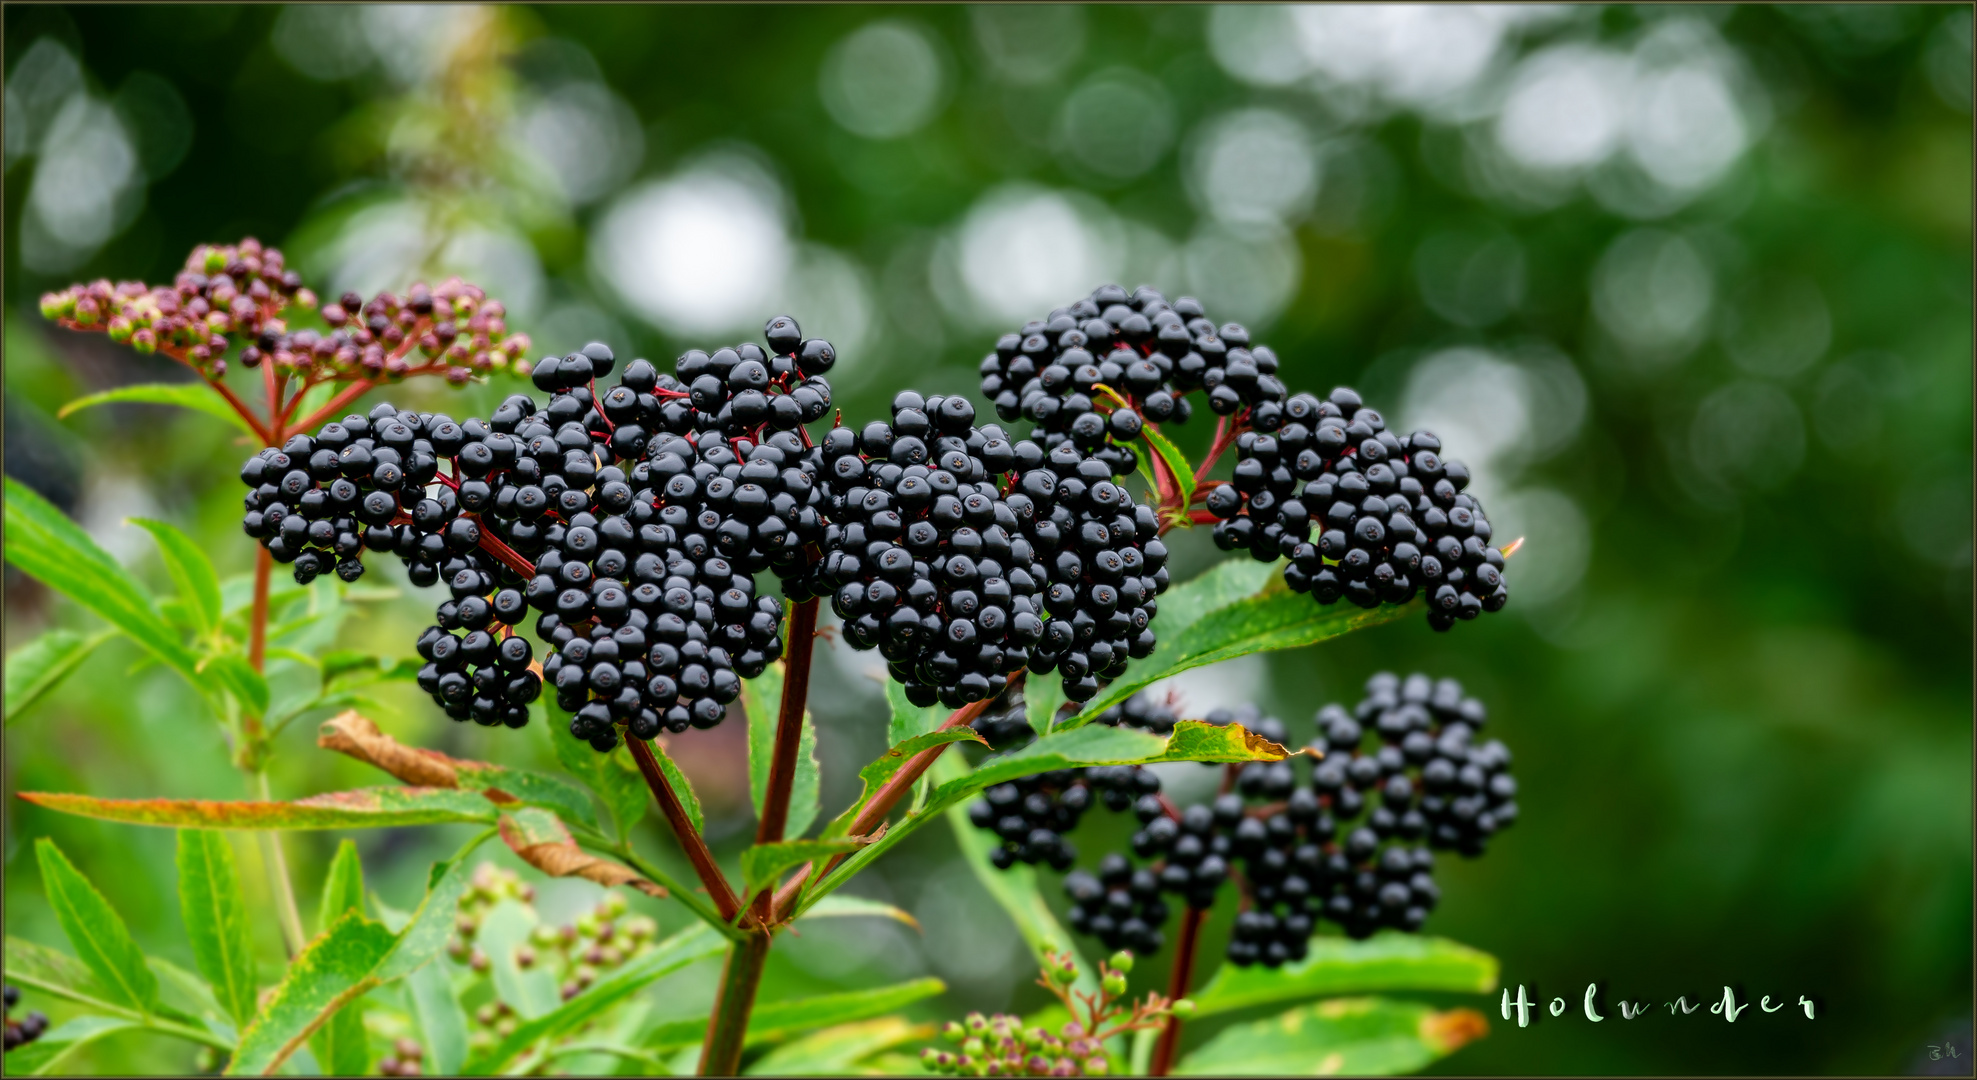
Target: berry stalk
x=1177, y=988
x=691, y=842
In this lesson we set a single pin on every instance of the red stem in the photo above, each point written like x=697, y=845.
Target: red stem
x=1177, y=988
x=267, y=437
x=690, y=840
x=789, y=721
x=349, y=394
x=881, y=805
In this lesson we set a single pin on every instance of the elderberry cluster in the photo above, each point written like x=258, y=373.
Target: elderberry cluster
x=1391, y=514
x=964, y=557
x=21, y=1032
x=1055, y=371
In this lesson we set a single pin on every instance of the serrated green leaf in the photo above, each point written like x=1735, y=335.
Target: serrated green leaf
x=337, y=967
x=96, y=932
x=249, y=687
x=879, y=770
x=681, y=784
x=343, y=885
x=442, y=1022
x=686, y=947
x=762, y=697
x=840, y=1050
x=215, y=914
x=191, y=571
x=1387, y=961
x=1350, y=1036
x=1016, y=889
x=774, y=1021
x=1192, y=740
x=339, y=1044
x=1176, y=462
x=187, y=395
x=352, y=957
x=616, y=779
x=57, y=1045
x=909, y=719
x=41, y=968
x=47, y=546
x=365, y=808
x=39, y=666
x=762, y=864
x=1198, y=631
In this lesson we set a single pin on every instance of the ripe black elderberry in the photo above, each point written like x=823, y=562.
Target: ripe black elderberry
x=26, y=1030
x=1389, y=513
x=1120, y=905
x=1005, y=724
x=1032, y=816
x=1138, y=346
x=320, y=500
x=481, y=672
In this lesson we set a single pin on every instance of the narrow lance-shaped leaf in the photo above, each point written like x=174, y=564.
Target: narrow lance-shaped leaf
x=215, y=915
x=842, y=1049
x=365, y=808
x=1343, y=1036
x=232, y=671
x=772, y=1021
x=762, y=696
x=874, y=775
x=49, y=547
x=1176, y=462
x=39, y=666
x=1192, y=740
x=187, y=395
x=339, y=1044
x=191, y=571
x=96, y=932
x=1269, y=618
x=442, y=1021
x=762, y=864
x=340, y=964
x=1387, y=961
x=39, y=967
x=618, y=781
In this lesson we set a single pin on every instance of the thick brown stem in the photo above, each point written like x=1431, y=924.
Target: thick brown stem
x=789, y=722
x=883, y=801
x=727, y=1028
x=690, y=840
x=1177, y=988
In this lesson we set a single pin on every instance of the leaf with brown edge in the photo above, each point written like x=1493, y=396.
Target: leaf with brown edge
x=365, y=808
x=1349, y=1036
x=338, y=966
x=356, y=735
x=880, y=769
x=541, y=840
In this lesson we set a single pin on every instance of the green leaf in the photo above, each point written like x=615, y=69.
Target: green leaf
x=877, y=772
x=215, y=915
x=762, y=697
x=42, y=968
x=1016, y=889
x=39, y=666
x=1152, y=482
x=762, y=864
x=343, y=886
x=192, y=572
x=338, y=966
x=616, y=779
x=57, y=1045
x=909, y=719
x=186, y=395
x=1043, y=697
x=352, y=957
x=442, y=1022
x=1192, y=740
x=1268, y=618
x=681, y=785
x=686, y=947
x=1335, y=965
x=249, y=687
x=839, y=1050
x=365, y=808
x=1177, y=462
x=96, y=931
x=840, y=906
x=1352, y=1036
x=774, y=1021
x=47, y=546
x=346, y=668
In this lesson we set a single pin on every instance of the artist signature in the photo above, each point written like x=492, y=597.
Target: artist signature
x=1728, y=1008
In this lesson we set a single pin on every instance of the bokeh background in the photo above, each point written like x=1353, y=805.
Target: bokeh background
x=1688, y=287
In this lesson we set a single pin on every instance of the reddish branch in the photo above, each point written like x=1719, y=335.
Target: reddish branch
x=690, y=840
x=789, y=722
x=1177, y=988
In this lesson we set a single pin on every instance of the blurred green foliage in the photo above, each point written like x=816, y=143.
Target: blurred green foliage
x=1689, y=287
